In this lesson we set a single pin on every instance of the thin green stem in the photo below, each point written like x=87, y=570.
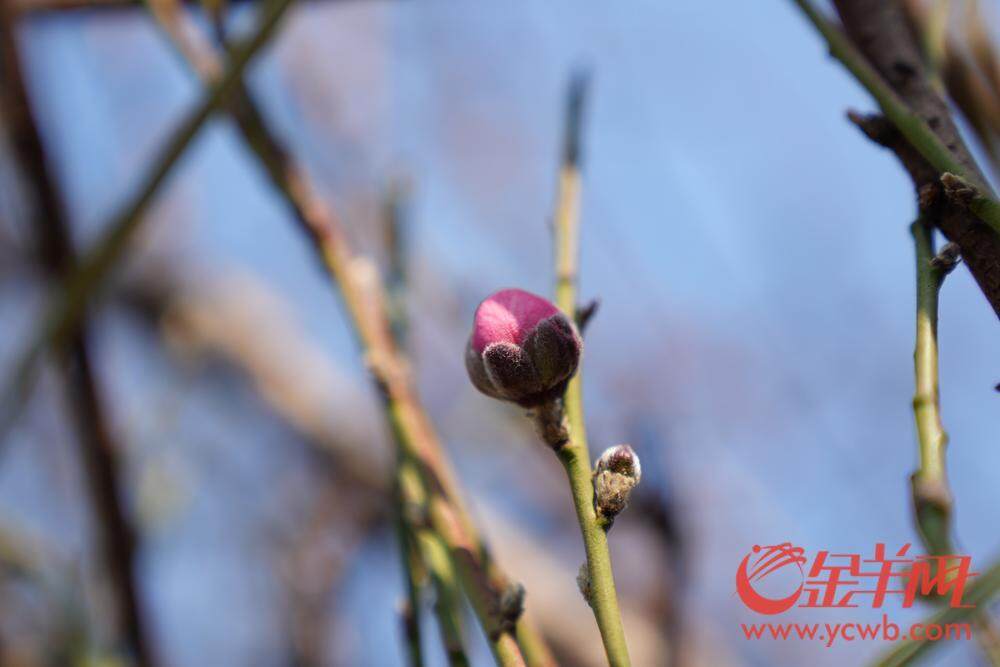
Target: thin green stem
x=405, y=488
x=448, y=605
x=911, y=125
x=66, y=307
x=482, y=583
x=931, y=494
x=574, y=454
x=932, y=501
x=986, y=586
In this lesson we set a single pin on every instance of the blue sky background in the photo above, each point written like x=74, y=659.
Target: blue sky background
x=749, y=246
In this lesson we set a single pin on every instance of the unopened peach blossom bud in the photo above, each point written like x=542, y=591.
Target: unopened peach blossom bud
x=523, y=349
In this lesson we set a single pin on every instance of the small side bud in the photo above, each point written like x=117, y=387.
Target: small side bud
x=583, y=582
x=957, y=189
x=511, y=606
x=947, y=259
x=617, y=472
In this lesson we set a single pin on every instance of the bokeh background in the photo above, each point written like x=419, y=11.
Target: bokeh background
x=749, y=248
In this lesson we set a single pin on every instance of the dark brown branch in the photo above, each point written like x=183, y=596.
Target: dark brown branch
x=881, y=31
x=97, y=448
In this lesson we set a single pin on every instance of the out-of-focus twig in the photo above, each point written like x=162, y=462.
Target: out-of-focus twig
x=408, y=494
x=99, y=452
x=65, y=308
x=24, y=7
x=428, y=558
x=983, y=589
x=968, y=70
x=364, y=297
x=423, y=551
x=980, y=43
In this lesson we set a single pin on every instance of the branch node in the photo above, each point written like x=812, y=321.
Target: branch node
x=511, y=606
x=551, y=423
x=957, y=189
x=875, y=126
x=947, y=259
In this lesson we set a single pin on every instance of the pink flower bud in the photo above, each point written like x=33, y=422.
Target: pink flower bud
x=522, y=349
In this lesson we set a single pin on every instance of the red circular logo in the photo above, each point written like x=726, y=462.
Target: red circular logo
x=763, y=562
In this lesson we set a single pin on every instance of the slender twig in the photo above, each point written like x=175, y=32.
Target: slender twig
x=985, y=587
x=99, y=452
x=932, y=499
x=431, y=556
x=422, y=550
x=971, y=90
x=931, y=494
x=64, y=309
x=574, y=454
x=447, y=606
x=33, y=7
x=411, y=495
x=980, y=42
x=364, y=298
x=909, y=123
x=412, y=567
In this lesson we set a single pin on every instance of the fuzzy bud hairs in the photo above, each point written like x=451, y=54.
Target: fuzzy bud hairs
x=522, y=349
x=617, y=472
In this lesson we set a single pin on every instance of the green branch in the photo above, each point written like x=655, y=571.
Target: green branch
x=985, y=587
x=408, y=494
x=575, y=454
x=931, y=494
x=448, y=605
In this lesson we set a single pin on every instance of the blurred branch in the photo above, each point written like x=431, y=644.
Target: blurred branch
x=986, y=586
x=396, y=234
x=98, y=449
x=25, y=7
x=364, y=297
x=909, y=101
x=425, y=553
x=448, y=602
x=574, y=454
x=409, y=497
x=66, y=307
x=980, y=43
x=970, y=87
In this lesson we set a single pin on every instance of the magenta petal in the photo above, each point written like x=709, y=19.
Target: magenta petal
x=508, y=316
